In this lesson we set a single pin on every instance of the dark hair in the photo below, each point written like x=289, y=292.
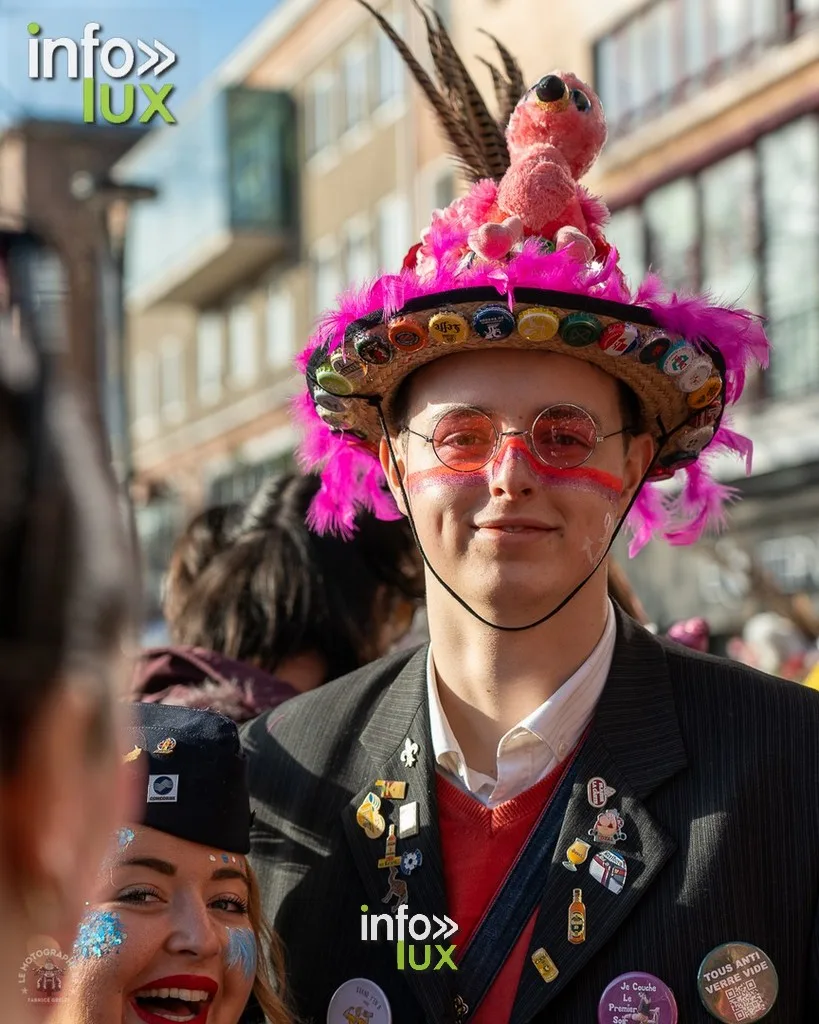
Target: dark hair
x=630, y=408
x=278, y=590
x=65, y=577
x=204, y=536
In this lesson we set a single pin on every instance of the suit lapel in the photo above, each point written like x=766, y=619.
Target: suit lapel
x=403, y=714
x=635, y=745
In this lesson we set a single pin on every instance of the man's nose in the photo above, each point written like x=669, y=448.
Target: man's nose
x=512, y=471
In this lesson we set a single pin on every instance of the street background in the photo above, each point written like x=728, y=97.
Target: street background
x=190, y=260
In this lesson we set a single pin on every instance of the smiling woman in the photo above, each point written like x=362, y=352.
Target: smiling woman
x=173, y=929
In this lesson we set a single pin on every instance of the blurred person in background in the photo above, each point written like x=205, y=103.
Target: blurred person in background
x=65, y=616
x=774, y=644
x=173, y=929
x=203, y=538
x=280, y=610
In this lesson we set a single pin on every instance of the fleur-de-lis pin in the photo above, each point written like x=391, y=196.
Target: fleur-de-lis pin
x=409, y=755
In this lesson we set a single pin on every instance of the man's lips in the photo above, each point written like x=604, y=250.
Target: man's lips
x=511, y=525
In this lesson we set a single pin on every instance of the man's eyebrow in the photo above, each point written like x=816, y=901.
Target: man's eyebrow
x=221, y=873
x=163, y=867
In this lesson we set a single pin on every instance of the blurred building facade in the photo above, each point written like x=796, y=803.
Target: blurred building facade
x=303, y=165
x=41, y=161
x=712, y=174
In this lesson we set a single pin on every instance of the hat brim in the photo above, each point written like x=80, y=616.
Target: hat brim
x=681, y=421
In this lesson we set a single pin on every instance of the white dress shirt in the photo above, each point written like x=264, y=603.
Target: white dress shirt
x=536, y=744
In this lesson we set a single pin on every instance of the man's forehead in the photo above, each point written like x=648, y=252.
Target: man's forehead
x=515, y=381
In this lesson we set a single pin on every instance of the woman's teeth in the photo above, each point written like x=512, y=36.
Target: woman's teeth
x=188, y=995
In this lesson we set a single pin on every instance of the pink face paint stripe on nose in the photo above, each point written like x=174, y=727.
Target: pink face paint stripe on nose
x=578, y=478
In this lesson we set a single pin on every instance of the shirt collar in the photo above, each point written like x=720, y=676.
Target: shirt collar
x=555, y=726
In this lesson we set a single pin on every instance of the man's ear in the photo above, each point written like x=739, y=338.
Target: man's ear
x=641, y=450
x=395, y=471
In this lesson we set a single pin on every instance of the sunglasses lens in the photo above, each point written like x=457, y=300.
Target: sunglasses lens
x=564, y=436
x=464, y=440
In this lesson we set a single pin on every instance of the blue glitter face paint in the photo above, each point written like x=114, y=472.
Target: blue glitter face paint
x=240, y=951
x=100, y=933
x=125, y=836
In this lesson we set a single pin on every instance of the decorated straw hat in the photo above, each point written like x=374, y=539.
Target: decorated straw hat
x=521, y=261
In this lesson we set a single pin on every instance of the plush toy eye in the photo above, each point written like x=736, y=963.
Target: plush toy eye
x=581, y=100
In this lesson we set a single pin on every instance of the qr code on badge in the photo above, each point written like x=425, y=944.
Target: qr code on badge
x=746, y=1003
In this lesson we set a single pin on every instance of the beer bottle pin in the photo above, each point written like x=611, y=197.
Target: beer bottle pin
x=577, y=918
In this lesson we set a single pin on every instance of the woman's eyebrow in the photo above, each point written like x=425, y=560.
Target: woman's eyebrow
x=163, y=867
x=221, y=873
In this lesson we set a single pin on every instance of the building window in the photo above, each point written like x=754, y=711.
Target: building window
x=671, y=220
x=747, y=230
x=327, y=283
x=806, y=9
x=358, y=251
x=443, y=8
x=627, y=233
x=390, y=65
x=242, y=340
x=209, y=359
x=729, y=230
x=321, y=122
x=443, y=191
x=661, y=54
x=281, y=327
x=146, y=389
x=172, y=379
x=356, y=85
x=790, y=202
x=393, y=232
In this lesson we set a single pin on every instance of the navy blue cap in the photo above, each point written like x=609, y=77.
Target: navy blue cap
x=196, y=785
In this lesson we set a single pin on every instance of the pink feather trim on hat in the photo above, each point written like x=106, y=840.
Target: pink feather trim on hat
x=351, y=473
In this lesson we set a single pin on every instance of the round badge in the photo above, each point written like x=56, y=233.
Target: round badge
x=655, y=348
x=350, y=369
x=359, y=1000
x=639, y=998
x=705, y=395
x=493, y=323
x=737, y=982
x=580, y=329
x=678, y=359
x=332, y=419
x=538, y=324
x=329, y=401
x=707, y=418
x=406, y=334
x=332, y=381
x=695, y=375
x=694, y=439
x=372, y=348
x=619, y=339
x=449, y=327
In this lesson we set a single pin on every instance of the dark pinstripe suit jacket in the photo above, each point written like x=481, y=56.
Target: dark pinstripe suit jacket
x=716, y=769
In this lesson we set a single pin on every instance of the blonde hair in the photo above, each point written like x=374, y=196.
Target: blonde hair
x=269, y=986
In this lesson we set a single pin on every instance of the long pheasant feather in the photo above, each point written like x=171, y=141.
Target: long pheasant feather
x=483, y=125
x=461, y=142
x=516, y=83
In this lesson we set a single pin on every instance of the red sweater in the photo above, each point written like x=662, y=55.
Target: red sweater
x=479, y=845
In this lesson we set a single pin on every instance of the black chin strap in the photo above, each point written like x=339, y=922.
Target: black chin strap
x=495, y=625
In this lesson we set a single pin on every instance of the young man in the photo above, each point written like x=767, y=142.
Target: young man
x=621, y=829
